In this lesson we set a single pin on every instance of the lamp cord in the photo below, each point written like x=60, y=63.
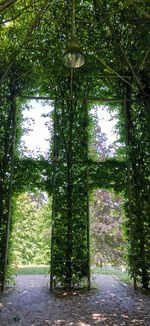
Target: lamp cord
x=71, y=84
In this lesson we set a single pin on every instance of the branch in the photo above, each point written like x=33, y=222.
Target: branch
x=140, y=10
x=6, y=4
x=122, y=51
x=143, y=13
x=142, y=64
x=18, y=14
x=6, y=72
x=115, y=72
x=118, y=45
x=26, y=39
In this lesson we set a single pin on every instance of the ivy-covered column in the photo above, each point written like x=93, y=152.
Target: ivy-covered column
x=137, y=218
x=70, y=241
x=8, y=136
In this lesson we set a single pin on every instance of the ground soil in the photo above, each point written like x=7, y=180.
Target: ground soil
x=111, y=304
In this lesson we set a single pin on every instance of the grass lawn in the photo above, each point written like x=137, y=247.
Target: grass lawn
x=42, y=269
x=33, y=270
x=122, y=276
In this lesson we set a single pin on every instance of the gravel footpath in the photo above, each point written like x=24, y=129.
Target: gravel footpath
x=111, y=304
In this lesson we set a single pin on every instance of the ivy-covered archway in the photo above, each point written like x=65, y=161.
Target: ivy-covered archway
x=34, y=38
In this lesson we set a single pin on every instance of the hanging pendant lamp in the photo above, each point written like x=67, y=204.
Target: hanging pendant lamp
x=73, y=56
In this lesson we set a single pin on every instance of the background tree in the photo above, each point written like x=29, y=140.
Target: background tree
x=30, y=237
x=106, y=208
x=106, y=229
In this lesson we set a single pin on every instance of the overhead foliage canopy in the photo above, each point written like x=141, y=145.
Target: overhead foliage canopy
x=34, y=35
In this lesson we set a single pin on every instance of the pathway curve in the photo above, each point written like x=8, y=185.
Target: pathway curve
x=111, y=304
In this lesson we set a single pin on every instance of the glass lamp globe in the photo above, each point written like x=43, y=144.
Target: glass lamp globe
x=73, y=56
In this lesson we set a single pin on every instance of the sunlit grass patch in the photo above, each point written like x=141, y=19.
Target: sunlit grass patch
x=122, y=276
x=32, y=270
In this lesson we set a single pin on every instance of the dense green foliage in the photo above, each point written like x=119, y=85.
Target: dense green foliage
x=115, y=38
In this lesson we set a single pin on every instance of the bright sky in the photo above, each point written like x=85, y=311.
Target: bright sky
x=107, y=124
x=36, y=139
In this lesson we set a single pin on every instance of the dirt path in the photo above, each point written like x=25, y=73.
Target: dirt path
x=111, y=304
